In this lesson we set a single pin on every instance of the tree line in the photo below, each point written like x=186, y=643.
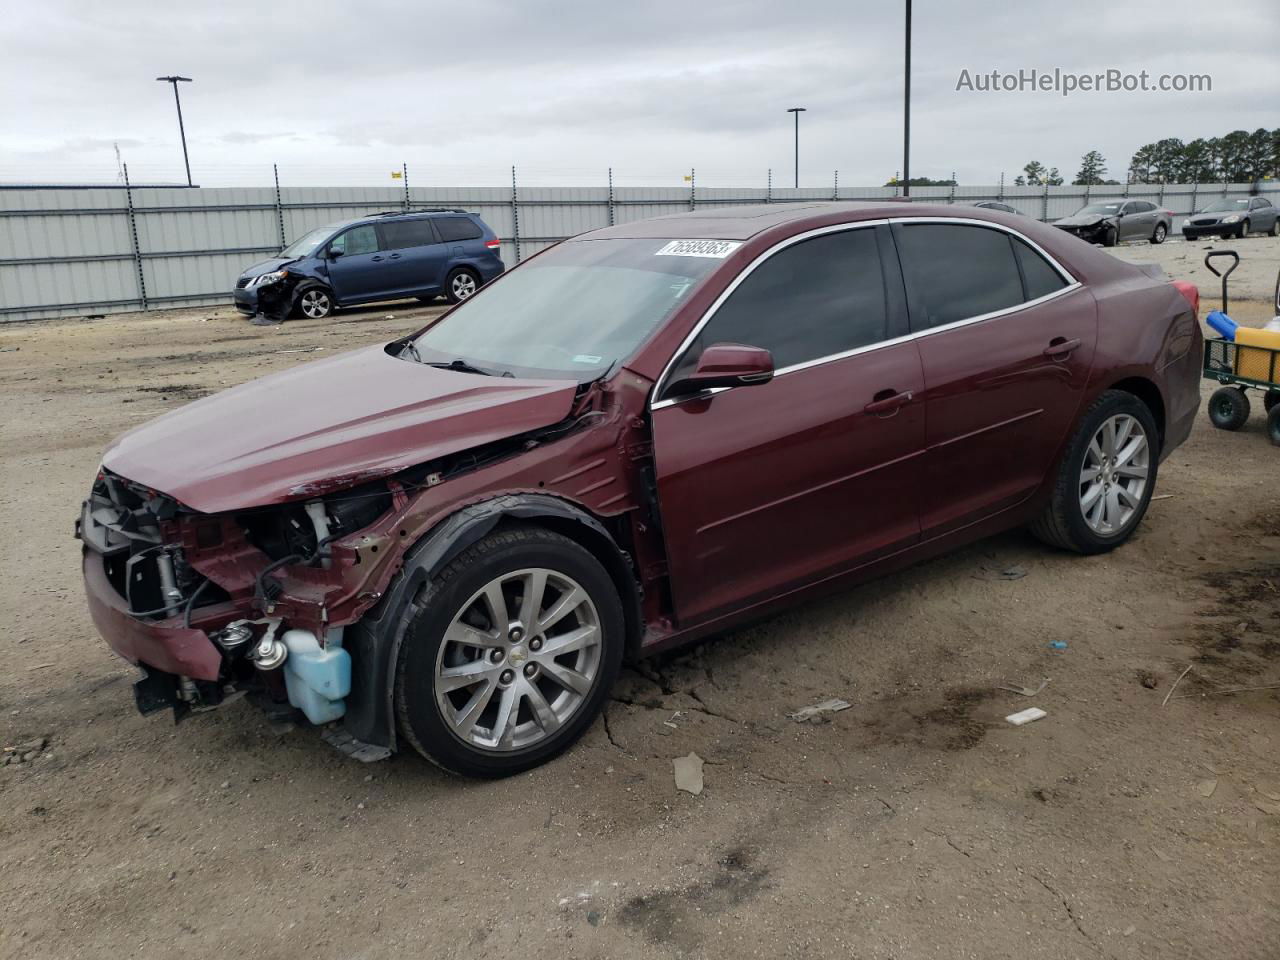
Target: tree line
x=1237, y=157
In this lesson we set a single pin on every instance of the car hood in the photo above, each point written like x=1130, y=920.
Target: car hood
x=326, y=425
x=1080, y=220
x=266, y=266
x=1215, y=215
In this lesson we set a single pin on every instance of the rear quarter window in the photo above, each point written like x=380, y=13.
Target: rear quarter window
x=458, y=228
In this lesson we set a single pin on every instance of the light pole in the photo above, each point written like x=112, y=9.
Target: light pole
x=906, y=112
x=181, y=131
x=796, y=111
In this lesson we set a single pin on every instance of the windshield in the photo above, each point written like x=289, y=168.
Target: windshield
x=1222, y=206
x=306, y=245
x=571, y=313
x=1106, y=209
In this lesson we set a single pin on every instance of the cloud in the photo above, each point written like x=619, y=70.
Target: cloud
x=562, y=86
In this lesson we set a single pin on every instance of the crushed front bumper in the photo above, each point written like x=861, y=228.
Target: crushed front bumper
x=165, y=645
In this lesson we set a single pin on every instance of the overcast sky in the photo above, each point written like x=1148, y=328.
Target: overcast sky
x=343, y=92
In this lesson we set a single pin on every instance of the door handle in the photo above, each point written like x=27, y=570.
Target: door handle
x=1060, y=347
x=887, y=402
x=394, y=256
x=375, y=259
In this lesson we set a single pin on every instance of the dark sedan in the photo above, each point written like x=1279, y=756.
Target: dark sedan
x=1114, y=221
x=1233, y=217
x=642, y=436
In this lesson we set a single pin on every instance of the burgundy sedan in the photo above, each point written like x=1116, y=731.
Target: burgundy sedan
x=643, y=435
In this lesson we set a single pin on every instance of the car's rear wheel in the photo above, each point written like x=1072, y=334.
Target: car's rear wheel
x=1105, y=479
x=1228, y=408
x=461, y=284
x=509, y=654
x=1161, y=232
x=315, y=303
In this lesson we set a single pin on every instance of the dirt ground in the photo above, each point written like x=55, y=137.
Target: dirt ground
x=917, y=823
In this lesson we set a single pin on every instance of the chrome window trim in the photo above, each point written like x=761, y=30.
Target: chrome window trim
x=1071, y=284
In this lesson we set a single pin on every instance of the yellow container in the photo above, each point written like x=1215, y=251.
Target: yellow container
x=1257, y=364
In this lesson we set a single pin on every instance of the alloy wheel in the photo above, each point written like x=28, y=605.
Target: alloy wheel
x=314, y=304
x=518, y=660
x=1113, y=478
x=464, y=285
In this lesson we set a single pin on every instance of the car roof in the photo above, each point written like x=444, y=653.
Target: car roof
x=744, y=222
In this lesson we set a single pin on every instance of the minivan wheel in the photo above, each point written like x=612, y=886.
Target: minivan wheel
x=1105, y=480
x=1161, y=232
x=461, y=284
x=315, y=304
x=509, y=653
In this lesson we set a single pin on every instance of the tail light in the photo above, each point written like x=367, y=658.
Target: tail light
x=1190, y=293
x=493, y=244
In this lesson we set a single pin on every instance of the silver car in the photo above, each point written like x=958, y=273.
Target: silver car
x=1233, y=217
x=1113, y=221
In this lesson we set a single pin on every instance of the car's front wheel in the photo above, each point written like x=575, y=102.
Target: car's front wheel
x=1161, y=232
x=509, y=654
x=1243, y=230
x=1111, y=237
x=315, y=303
x=1275, y=228
x=1105, y=479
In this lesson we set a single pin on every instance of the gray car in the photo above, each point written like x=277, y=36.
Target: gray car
x=1233, y=217
x=1113, y=221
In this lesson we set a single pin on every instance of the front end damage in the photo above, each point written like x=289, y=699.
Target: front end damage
x=210, y=606
x=281, y=602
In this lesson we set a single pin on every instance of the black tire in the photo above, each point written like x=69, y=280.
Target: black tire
x=1160, y=233
x=1111, y=237
x=1275, y=228
x=1273, y=425
x=1228, y=408
x=1270, y=399
x=418, y=714
x=1063, y=524
x=314, y=303
x=456, y=286
x=1243, y=230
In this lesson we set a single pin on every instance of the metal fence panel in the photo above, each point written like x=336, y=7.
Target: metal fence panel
x=72, y=251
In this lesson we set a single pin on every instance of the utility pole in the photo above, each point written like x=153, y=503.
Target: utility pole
x=175, y=80
x=906, y=111
x=796, y=111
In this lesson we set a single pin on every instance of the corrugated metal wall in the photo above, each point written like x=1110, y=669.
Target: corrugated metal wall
x=69, y=252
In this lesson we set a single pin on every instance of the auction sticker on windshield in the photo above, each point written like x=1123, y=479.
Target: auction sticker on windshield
x=716, y=249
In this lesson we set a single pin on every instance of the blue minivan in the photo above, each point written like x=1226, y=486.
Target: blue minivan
x=387, y=256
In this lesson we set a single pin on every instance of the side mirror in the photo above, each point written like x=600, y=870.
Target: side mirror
x=726, y=365
x=334, y=253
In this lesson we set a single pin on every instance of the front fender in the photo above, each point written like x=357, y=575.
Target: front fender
x=374, y=640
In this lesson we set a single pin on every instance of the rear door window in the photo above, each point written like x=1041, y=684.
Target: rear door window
x=956, y=272
x=814, y=299
x=399, y=234
x=458, y=228
x=361, y=239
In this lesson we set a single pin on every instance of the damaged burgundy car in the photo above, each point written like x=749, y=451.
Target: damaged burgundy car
x=642, y=436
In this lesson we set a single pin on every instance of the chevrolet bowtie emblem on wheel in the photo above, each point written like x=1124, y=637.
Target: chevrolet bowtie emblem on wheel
x=518, y=655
